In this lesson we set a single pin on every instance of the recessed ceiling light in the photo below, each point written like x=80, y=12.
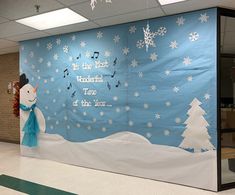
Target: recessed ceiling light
x=165, y=2
x=57, y=18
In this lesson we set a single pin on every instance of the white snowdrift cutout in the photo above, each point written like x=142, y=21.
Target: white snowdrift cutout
x=131, y=154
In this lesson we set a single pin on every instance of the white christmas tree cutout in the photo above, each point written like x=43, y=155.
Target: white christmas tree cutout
x=196, y=135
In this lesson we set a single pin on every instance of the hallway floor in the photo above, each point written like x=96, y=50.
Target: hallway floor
x=36, y=177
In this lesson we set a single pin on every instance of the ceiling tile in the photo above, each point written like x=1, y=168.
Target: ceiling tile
x=6, y=43
x=191, y=5
x=27, y=36
x=230, y=25
x=3, y=20
x=118, y=7
x=71, y=2
x=72, y=28
x=15, y=9
x=13, y=28
x=9, y=50
x=134, y=16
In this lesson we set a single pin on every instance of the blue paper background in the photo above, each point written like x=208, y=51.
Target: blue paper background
x=87, y=123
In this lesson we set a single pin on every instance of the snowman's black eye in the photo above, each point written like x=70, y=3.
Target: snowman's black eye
x=28, y=91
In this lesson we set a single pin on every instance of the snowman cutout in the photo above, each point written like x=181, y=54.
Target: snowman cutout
x=32, y=121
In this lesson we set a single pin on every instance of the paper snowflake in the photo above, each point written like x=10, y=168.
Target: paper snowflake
x=93, y=2
x=193, y=36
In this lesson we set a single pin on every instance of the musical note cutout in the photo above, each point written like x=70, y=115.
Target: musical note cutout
x=115, y=62
x=66, y=72
x=113, y=74
x=73, y=94
x=109, y=86
x=79, y=57
x=118, y=84
x=95, y=55
x=70, y=85
x=75, y=103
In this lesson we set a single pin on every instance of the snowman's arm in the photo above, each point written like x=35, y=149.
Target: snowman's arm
x=41, y=119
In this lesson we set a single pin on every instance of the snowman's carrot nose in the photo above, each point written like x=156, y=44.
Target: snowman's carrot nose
x=35, y=89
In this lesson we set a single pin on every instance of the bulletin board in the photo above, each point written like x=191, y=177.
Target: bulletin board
x=107, y=100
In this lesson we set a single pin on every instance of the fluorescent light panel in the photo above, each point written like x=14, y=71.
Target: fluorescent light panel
x=53, y=19
x=165, y=2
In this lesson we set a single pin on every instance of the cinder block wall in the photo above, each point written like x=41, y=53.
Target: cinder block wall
x=9, y=124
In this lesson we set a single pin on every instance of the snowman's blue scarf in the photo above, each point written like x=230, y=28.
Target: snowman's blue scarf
x=31, y=127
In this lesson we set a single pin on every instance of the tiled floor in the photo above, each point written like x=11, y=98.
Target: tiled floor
x=83, y=181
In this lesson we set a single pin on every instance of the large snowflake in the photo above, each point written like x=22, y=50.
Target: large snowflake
x=93, y=2
x=149, y=36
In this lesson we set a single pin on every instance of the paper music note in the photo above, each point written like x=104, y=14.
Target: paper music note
x=95, y=55
x=73, y=94
x=79, y=56
x=113, y=74
x=118, y=84
x=109, y=86
x=70, y=85
x=66, y=72
x=115, y=62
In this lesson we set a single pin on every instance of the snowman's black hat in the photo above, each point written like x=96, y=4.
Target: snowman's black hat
x=23, y=80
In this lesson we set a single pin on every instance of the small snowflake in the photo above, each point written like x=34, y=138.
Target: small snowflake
x=148, y=135
x=168, y=104
x=68, y=127
x=22, y=48
x=31, y=54
x=162, y=31
x=49, y=64
x=94, y=120
x=187, y=61
x=125, y=51
x=47, y=92
x=167, y=72
x=99, y=35
x=140, y=44
x=59, y=90
x=146, y=106
x=46, y=107
x=57, y=70
x=180, y=21
x=178, y=120
x=83, y=44
x=55, y=57
x=127, y=108
x=58, y=41
x=115, y=98
x=101, y=113
x=84, y=114
x=126, y=84
x=149, y=125
x=49, y=46
x=52, y=127
x=110, y=121
x=45, y=80
x=70, y=58
x=207, y=96
x=118, y=110
x=153, y=88
x=136, y=94
x=107, y=53
x=73, y=38
x=54, y=100
x=173, y=45
x=89, y=128
x=104, y=129
x=157, y=116
x=153, y=56
x=176, y=89
x=203, y=18
x=38, y=44
x=57, y=122
x=48, y=118
x=166, y=132
x=116, y=38
x=65, y=118
x=33, y=66
x=134, y=63
x=132, y=29
x=64, y=105
x=40, y=60
x=78, y=125
x=193, y=36
x=190, y=78
x=88, y=54
x=130, y=123
x=140, y=74
x=66, y=49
